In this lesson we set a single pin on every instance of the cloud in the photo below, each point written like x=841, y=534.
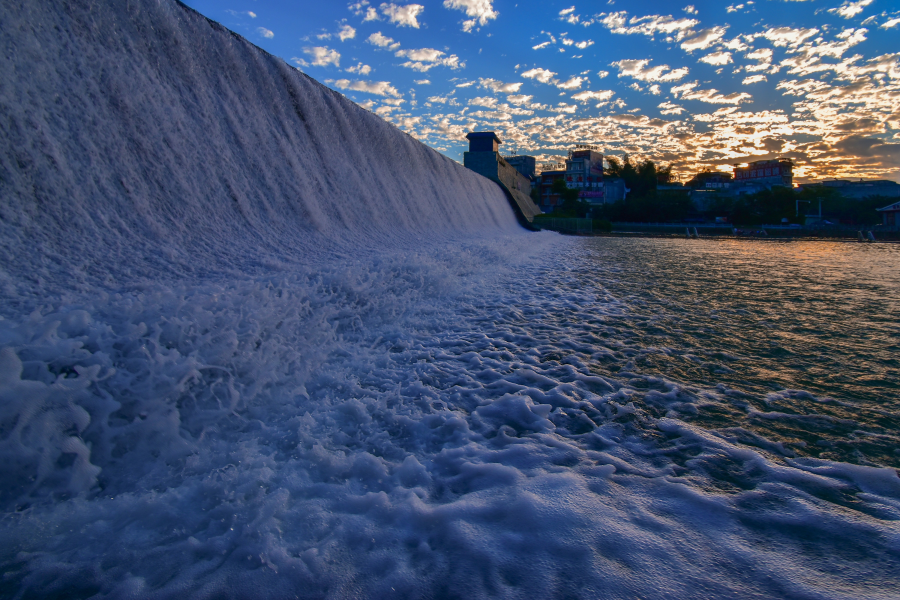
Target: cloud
x=891, y=23
x=754, y=79
x=266, y=33
x=593, y=96
x=687, y=92
x=848, y=10
x=520, y=99
x=786, y=36
x=689, y=9
x=423, y=82
x=542, y=75
x=618, y=22
x=670, y=109
x=378, y=88
x=423, y=59
x=869, y=147
x=382, y=41
x=541, y=45
x=499, y=86
x=572, y=83
x=402, y=16
x=717, y=58
x=360, y=69
x=703, y=39
x=321, y=56
x=481, y=11
x=639, y=69
x=346, y=33
x=602, y=74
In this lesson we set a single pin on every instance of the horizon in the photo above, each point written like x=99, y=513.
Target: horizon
x=704, y=85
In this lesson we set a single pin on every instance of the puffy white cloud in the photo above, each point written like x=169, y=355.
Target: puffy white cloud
x=703, y=39
x=402, y=16
x=687, y=91
x=572, y=83
x=322, y=56
x=670, y=109
x=540, y=46
x=787, y=36
x=717, y=58
x=382, y=41
x=520, y=99
x=266, y=33
x=378, y=88
x=618, y=22
x=891, y=23
x=480, y=11
x=346, y=33
x=593, y=96
x=754, y=79
x=542, y=75
x=639, y=69
x=423, y=59
x=423, y=82
x=848, y=10
x=690, y=9
x=499, y=86
x=360, y=69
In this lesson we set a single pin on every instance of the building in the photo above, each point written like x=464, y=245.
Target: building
x=484, y=158
x=526, y=165
x=549, y=200
x=764, y=174
x=584, y=172
x=864, y=188
x=614, y=189
x=890, y=215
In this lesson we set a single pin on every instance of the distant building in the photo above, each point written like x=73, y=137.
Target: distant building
x=549, y=200
x=584, y=171
x=765, y=174
x=526, y=165
x=858, y=189
x=890, y=215
x=614, y=189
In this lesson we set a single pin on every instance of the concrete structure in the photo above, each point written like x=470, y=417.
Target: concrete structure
x=765, y=174
x=859, y=189
x=526, y=165
x=483, y=158
x=890, y=215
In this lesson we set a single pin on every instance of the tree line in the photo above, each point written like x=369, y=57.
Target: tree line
x=646, y=203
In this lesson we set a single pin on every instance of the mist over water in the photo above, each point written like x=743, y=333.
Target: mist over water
x=240, y=356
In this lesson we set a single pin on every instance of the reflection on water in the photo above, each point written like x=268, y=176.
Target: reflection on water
x=793, y=341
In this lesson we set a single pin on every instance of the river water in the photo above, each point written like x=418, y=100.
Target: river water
x=797, y=342
x=525, y=416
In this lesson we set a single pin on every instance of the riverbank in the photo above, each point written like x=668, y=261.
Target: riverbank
x=589, y=227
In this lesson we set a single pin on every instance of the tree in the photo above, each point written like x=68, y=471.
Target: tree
x=571, y=205
x=641, y=178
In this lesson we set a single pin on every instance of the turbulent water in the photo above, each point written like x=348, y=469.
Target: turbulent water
x=242, y=357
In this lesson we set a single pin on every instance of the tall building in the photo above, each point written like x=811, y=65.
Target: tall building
x=765, y=174
x=584, y=171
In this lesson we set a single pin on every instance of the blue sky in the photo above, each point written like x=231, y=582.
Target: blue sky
x=706, y=84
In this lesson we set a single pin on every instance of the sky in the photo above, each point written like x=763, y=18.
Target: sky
x=701, y=85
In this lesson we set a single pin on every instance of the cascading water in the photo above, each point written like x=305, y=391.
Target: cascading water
x=254, y=341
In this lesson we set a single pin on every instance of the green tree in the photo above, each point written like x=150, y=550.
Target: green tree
x=571, y=206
